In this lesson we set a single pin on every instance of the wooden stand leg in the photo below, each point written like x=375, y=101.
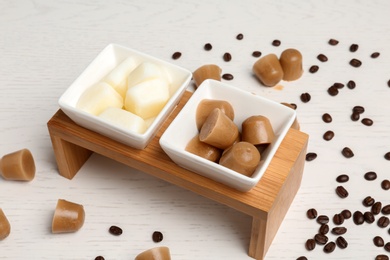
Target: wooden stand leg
x=257, y=242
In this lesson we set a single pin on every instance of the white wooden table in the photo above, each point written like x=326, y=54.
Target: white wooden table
x=44, y=46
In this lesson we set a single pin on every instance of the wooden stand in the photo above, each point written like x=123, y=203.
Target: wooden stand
x=267, y=202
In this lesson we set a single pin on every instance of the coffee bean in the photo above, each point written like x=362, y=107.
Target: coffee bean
x=383, y=222
x=368, y=201
x=157, y=236
x=381, y=257
x=330, y=247
x=339, y=230
x=341, y=192
x=305, y=97
x=347, y=152
x=314, y=69
x=355, y=63
x=388, y=83
x=386, y=210
x=346, y=213
x=176, y=55
x=355, y=116
x=99, y=257
x=338, y=85
x=208, y=47
x=354, y=47
x=376, y=208
x=370, y=176
x=227, y=56
x=227, y=76
x=341, y=242
x=378, y=241
x=324, y=229
x=338, y=219
x=328, y=135
x=322, y=219
x=310, y=156
x=276, y=43
x=333, y=91
x=369, y=217
x=367, y=121
x=375, y=55
x=358, y=109
x=387, y=156
x=311, y=213
x=321, y=239
x=302, y=258
x=310, y=244
x=342, y=178
x=240, y=36
x=385, y=184
x=256, y=54
x=358, y=217
x=115, y=230
x=322, y=57
x=333, y=42
x=326, y=118
x=351, y=84
x=387, y=246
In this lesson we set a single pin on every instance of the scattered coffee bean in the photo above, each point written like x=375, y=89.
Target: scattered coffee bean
x=387, y=156
x=358, y=217
x=338, y=85
x=368, y=201
x=355, y=63
x=351, y=84
x=338, y=219
x=358, y=109
x=339, y=230
x=330, y=247
x=375, y=55
x=346, y=213
x=354, y=47
x=321, y=239
x=310, y=244
x=383, y=222
x=302, y=258
x=388, y=83
x=370, y=176
x=326, y=118
x=322, y=219
x=347, y=152
x=324, y=229
x=367, y=121
x=386, y=210
x=378, y=241
x=342, y=178
x=369, y=217
x=355, y=116
x=305, y=97
x=240, y=36
x=99, y=257
x=321, y=57
x=157, y=236
x=176, y=55
x=341, y=192
x=227, y=56
x=333, y=91
x=387, y=246
x=310, y=156
x=276, y=43
x=256, y=54
x=208, y=47
x=227, y=76
x=116, y=231
x=376, y=208
x=333, y=42
x=381, y=257
x=328, y=135
x=311, y=213
x=385, y=184
x=341, y=242
x=314, y=69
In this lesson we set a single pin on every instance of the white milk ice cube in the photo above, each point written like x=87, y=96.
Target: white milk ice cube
x=147, y=98
x=145, y=71
x=124, y=119
x=98, y=97
x=117, y=78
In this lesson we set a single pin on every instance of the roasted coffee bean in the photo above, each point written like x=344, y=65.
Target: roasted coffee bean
x=338, y=85
x=227, y=76
x=381, y=257
x=302, y=258
x=328, y=135
x=326, y=118
x=276, y=43
x=322, y=219
x=338, y=219
x=383, y=222
x=386, y=210
x=375, y=55
x=240, y=36
x=208, y=47
x=376, y=208
x=354, y=47
x=378, y=241
x=370, y=176
x=342, y=178
x=355, y=63
x=99, y=257
x=330, y=247
x=310, y=244
x=324, y=229
x=387, y=156
x=322, y=57
x=347, y=152
x=310, y=156
x=176, y=55
x=227, y=56
x=368, y=201
x=339, y=230
x=321, y=239
x=346, y=213
x=358, y=109
x=388, y=83
x=358, y=217
x=351, y=84
x=314, y=69
x=305, y=97
x=341, y=242
x=157, y=236
x=341, y=192
x=256, y=54
x=385, y=184
x=333, y=42
x=116, y=231
x=311, y=213
x=355, y=116
x=387, y=246
x=369, y=217
x=367, y=121
x=333, y=91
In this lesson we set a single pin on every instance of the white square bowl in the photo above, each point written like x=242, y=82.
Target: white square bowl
x=107, y=60
x=183, y=129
